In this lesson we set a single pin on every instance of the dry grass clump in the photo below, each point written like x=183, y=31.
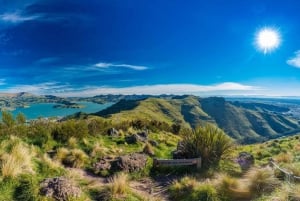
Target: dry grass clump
x=148, y=149
x=261, y=181
x=72, y=142
x=284, y=158
x=119, y=184
x=49, y=162
x=117, y=188
x=190, y=189
x=72, y=158
x=17, y=160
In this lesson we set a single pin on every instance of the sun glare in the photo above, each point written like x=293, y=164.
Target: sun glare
x=267, y=40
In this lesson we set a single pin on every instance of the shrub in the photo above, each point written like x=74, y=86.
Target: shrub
x=70, y=128
x=208, y=142
x=27, y=190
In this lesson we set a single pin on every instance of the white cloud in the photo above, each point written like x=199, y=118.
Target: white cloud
x=16, y=17
x=133, y=67
x=294, y=61
x=227, y=88
x=41, y=88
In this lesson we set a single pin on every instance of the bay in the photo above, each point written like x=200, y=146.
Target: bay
x=47, y=110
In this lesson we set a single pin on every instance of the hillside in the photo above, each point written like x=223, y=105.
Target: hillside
x=245, y=122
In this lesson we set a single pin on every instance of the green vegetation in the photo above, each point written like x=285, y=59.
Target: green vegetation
x=32, y=151
x=208, y=142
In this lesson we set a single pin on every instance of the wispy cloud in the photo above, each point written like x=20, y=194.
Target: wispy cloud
x=294, y=61
x=108, y=65
x=2, y=82
x=40, y=88
x=47, y=60
x=17, y=17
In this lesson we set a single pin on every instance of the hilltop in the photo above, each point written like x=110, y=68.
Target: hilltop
x=245, y=122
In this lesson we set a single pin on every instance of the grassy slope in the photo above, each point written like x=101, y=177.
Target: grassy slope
x=244, y=122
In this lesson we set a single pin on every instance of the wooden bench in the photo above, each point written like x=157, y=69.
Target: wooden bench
x=177, y=162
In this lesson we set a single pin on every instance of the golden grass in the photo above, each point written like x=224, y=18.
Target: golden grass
x=17, y=161
x=261, y=181
x=61, y=154
x=118, y=184
x=284, y=158
x=72, y=142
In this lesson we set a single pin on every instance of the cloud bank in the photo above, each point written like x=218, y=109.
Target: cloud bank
x=227, y=88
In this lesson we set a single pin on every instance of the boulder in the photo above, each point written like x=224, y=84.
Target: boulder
x=113, y=132
x=129, y=163
x=245, y=160
x=143, y=135
x=102, y=165
x=132, y=139
x=59, y=188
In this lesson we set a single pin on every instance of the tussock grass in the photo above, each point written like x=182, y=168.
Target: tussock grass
x=72, y=142
x=190, y=189
x=17, y=160
x=261, y=181
x=284, y=158
x=119, y=184
x=148, y=149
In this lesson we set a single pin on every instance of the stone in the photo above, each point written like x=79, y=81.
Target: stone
x=132, y=139
x=102, y=165
x=245, y=160
x=130, y=163
x=59, y=188
x=113, y=132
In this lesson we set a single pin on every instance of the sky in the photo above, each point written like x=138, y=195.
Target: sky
x=201, y=47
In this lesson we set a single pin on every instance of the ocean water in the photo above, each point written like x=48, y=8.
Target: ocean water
x=47, y=110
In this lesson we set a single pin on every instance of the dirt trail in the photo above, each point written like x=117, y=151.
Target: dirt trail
x=146, y=187
x=93, y=180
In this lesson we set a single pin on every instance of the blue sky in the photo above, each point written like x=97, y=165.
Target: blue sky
x=86, y=48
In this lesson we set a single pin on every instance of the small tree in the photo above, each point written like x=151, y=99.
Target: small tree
x=208, y=142
x=8, y=119
x=20, y=118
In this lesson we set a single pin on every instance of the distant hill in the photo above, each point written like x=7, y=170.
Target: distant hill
x=246, y=122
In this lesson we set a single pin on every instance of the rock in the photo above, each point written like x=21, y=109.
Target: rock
x=129, y=163
x=245, y=160
x=153, y=143
x=143, y=134
x=59, y=188
x=102, y=165
x=132, y=139
x=113, y=132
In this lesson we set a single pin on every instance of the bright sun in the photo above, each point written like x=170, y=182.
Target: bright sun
x=267, y=39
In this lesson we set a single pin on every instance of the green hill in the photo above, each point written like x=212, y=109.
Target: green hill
x=246, y=122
